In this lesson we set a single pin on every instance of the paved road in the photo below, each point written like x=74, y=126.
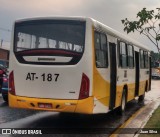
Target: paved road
x=8, y=114
x=38, y=119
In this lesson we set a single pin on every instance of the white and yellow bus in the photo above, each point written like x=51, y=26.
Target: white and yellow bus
x=75, y=64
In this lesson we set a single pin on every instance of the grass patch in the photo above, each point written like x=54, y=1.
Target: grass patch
x=154, y=122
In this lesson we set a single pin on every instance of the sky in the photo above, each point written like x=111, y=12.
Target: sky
x=109, y=12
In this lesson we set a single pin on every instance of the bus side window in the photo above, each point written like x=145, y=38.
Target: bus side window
x=101, y=52
x=130, y=56
x=146, y=59
x=97, y=48
x=123, y=55
x=141, y=59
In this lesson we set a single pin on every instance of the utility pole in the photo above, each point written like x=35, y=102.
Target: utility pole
x=1, y=42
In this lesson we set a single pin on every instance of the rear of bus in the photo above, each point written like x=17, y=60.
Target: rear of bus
x=50, y=65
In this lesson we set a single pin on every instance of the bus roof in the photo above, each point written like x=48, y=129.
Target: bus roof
x=97, y=24
x=120, y=36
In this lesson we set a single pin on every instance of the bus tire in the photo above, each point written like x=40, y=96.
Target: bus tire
x=141, y=98
x=5, y=98
x=122, y=108
x=0, y=87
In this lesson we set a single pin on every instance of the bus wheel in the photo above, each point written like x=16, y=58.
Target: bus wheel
x=141, y=98
x=122, y=108
x=5, y=99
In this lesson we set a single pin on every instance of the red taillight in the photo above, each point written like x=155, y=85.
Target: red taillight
x=5, y=79
x=1, y=72
x=84, y=90
x=11, y=83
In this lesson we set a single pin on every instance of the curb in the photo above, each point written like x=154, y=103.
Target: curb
x=138, y=120
x=157, y=103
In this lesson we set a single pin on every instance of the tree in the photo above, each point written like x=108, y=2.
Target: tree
x=148, y=24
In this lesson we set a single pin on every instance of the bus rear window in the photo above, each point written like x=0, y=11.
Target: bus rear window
x=49, y=38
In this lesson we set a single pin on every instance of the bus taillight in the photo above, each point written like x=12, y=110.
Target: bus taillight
x=84, y=90
x=11, y=83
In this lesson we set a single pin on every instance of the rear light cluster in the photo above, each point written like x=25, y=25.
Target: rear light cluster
x=11, y=83
x=5, y=80
x=84, y=90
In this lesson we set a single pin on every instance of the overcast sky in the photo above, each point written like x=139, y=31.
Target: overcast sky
x=109, y=12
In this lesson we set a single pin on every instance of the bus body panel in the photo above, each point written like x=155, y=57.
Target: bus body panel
x=64, y=81
x=67, y=85
x=59, y=105
x=33, y=84
x=144, y=81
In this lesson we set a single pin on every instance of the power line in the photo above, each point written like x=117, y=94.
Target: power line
x=4, y=29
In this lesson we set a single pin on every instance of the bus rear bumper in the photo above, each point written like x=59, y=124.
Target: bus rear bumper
x=74, y=106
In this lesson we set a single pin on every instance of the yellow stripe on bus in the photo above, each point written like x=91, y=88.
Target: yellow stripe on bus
x=78, y=106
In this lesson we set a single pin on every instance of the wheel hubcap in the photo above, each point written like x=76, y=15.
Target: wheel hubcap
x=123, y=102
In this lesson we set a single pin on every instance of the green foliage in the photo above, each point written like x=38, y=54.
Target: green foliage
x=153, y=123
x=158, y=37
x=148, y=24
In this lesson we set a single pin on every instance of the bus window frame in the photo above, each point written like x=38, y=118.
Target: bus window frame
x=104, y=34
x=77, y=55
x=130, y=67
x=141, y=51
x=120, y=55
x=146, y=53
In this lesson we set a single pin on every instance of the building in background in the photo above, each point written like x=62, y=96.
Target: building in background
x=4, y=53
